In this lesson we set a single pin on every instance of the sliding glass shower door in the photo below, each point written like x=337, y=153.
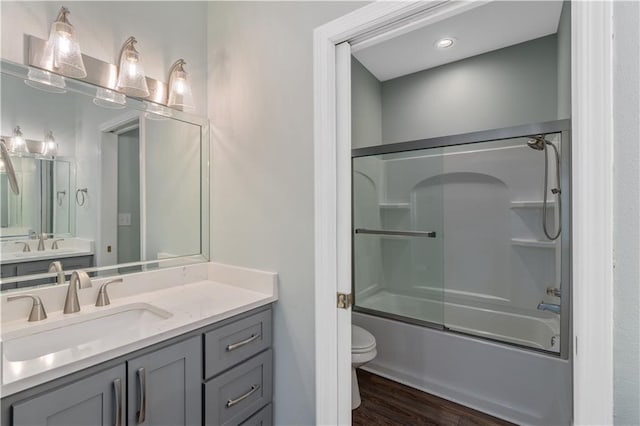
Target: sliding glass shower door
x=398, y=236
x=467, y=236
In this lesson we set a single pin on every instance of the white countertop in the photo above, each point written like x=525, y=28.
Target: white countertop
x=194, y=296
x=11, y=251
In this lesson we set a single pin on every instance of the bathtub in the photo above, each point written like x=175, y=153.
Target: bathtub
x=528, y=331
x=516, y=384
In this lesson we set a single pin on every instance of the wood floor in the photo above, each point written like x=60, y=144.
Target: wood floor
x=385, y=402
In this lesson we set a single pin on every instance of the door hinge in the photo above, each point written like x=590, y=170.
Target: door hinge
x=344, y=300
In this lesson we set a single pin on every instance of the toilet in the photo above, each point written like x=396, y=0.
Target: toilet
x=363, y=350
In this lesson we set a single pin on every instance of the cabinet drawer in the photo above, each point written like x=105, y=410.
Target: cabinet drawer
x=234, y=396
x=263, y=417
x=235, y=342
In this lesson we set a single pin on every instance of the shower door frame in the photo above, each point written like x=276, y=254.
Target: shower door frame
x=592, y=173
x=562, y=127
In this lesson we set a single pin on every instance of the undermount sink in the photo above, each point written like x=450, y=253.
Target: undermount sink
x=78, y=332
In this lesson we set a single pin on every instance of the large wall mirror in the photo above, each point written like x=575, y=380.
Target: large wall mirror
x=119, y=188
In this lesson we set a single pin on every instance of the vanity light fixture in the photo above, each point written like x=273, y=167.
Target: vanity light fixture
x=45, y=80
x=109, y=99
x=445, y=42
x=17, y=141
x=62, y=53
x=180, y=95
x=131, y=78
x=51, y=147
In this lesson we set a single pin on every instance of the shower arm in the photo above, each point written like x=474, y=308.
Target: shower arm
x=8, y=165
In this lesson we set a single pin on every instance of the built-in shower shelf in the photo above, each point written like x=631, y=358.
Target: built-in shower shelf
x=522, y=242
x=396, y=206
x=531, y=204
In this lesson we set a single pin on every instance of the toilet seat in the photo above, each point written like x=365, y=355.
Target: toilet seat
x=361, y=340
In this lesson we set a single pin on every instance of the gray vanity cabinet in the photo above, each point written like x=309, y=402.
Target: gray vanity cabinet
x=221, y=374
x=95, y=400
x=165, y=386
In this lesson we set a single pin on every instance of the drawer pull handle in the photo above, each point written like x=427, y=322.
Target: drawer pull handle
x=235, y=346
x=117, y=387
x=232, y=402
x=142, y=379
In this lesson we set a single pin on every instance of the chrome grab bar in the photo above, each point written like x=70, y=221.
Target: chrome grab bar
x=232, y=402
x=425, y=234
x=234, y=346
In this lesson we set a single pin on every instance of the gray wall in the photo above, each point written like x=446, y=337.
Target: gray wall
x=261, y=110
x=129, y=195
x=626, y=93
x=506, y=87
x=366, y=107
x=564, y=62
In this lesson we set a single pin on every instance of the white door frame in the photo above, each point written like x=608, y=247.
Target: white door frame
x=592, y=204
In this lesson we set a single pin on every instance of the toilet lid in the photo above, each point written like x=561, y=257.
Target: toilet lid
x=361, y=339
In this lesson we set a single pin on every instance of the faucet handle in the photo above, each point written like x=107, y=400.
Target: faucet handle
x=54, y=246
x=37, y=309
x=26, y=247
x=103, y=296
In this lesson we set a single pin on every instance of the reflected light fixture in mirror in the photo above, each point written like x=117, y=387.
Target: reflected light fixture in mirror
x=45, y=80
x=180, y=95
x=63, y=50
x=17, y=141
x=51, y=147
x=131, y=78
x=157, y=112
x=109, y=99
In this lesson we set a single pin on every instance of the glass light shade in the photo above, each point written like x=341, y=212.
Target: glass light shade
x=51, y=147
x=180, y=95
x=45, y=80
x=109, y=99
x=17, y=141
x=131, y=77
x=157, y=112
x=63, y=49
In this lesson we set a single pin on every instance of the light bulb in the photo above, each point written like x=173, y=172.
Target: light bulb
x=180, y=96
x=51, y=147
x=17, y=141
x=131, y=78
x=63, y=50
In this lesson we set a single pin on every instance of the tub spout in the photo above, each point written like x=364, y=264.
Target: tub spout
x=551, y=307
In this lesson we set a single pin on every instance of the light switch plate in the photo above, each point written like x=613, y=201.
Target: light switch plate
x=124, y=219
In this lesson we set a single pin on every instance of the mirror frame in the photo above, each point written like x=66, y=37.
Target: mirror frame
x=75, y=86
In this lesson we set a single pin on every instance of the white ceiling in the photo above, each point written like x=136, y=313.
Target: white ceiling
x=485, y=28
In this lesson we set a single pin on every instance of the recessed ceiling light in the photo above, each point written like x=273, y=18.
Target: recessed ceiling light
x=445, y=42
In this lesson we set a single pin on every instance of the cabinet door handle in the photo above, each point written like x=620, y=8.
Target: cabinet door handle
x=142, y=383
x=234, y=346
x=232, y=402
x=117, y=389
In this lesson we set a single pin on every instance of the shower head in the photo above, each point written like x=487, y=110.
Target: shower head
x=537, y=142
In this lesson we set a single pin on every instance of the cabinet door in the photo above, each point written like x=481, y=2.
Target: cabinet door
x=165, y=386
x=96, y=400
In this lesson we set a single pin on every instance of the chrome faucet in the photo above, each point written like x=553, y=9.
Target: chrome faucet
x=78, y=279
x=551, y=307
x=54, y=245
x=42, y=237
x=57, y=267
